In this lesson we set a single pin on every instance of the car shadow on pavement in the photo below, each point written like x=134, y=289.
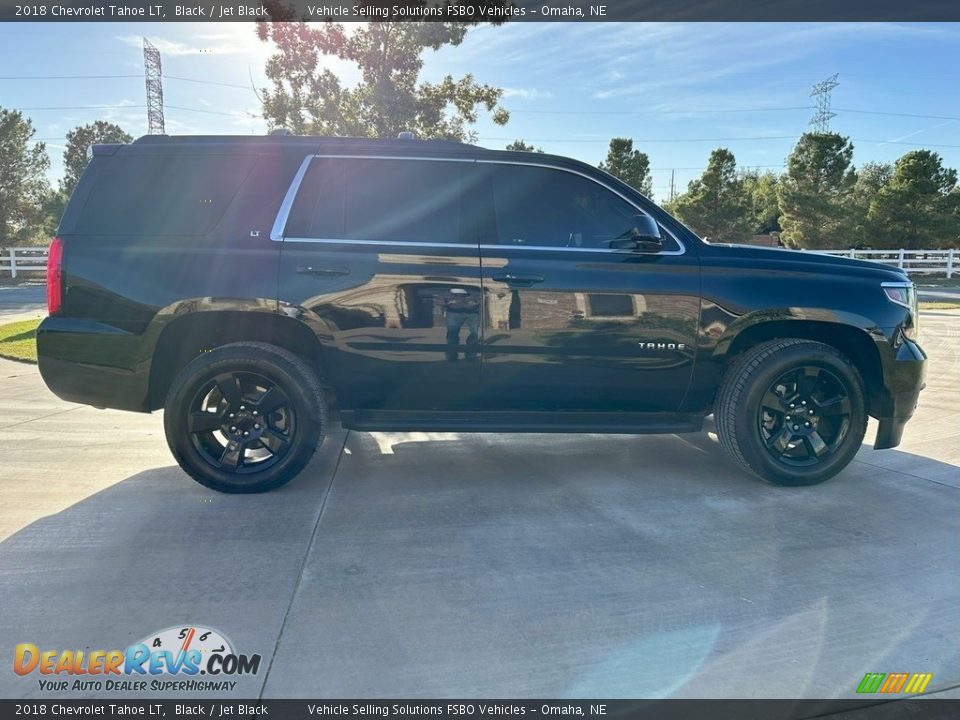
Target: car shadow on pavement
x=510, y=565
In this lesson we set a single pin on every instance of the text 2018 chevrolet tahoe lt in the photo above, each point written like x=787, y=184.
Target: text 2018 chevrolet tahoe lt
x=248, y=286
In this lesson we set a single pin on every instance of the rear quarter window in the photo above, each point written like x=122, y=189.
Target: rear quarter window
x=162, y=194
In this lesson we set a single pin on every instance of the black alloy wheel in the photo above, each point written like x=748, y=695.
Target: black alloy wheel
x=804, y=416
x=244, y=417
x=241, y=422
x=792, y=411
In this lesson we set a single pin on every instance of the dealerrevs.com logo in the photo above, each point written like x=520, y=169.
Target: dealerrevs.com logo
x=172, y=659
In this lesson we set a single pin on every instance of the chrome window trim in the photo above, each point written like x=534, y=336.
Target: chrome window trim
x=388, y=243
x=393, y=157
x=279, y=224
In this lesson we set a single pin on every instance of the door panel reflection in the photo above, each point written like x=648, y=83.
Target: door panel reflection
x=403, y=328
x=609, y=334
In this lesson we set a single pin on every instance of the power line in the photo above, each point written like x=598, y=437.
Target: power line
x=209, y=82
x=726, y=139
x=691, y=111
x=212, y=112
x=133, y=107
x=726, y=110
x=661, y=112
x=79, y=107
x=67, y=77
x=648, y=140
x=896, y=114
x=118, y=77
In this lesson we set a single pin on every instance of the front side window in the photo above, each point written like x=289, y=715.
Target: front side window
x=543, y=207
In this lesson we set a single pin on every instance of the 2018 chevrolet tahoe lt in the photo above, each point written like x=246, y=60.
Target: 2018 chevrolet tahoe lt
x=251, y=286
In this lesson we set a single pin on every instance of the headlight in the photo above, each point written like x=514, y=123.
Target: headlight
x=904, y=294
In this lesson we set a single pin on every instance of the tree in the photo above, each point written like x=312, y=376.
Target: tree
x=871, y=178
x=631, y=166
x=917, y=207
x=22, y=180
x=761, y=192
x=78, y=141
x=814, y=192
x=521, y=146
x=716, y=206
x=309, y=98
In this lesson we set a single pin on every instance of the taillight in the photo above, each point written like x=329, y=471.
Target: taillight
x=55, y=277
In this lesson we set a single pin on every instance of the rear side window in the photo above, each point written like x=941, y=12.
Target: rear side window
x=543, y=207
x=380, y=200
x=162, y=194
x=318, y=209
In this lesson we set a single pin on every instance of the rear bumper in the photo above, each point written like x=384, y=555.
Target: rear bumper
x=905, y=378
x=92, y=363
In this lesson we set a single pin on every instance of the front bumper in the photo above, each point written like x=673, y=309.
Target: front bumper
x=905, y=377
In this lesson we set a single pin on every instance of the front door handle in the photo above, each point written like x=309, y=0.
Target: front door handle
x=322, y=272
x=518, y=280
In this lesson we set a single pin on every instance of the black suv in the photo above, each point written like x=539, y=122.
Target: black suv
x=255, y=288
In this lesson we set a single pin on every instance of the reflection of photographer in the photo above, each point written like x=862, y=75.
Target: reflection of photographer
x=462, y=308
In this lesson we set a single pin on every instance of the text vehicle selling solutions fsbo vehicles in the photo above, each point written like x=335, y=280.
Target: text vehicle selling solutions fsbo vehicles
x=252, y=286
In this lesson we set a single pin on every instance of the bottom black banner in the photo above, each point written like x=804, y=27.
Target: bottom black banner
x=866, y=709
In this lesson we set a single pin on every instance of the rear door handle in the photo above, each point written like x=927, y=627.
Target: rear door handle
x=322, y=272
x=518, y=280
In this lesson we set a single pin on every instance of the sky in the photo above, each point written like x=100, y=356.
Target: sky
x=679, y=90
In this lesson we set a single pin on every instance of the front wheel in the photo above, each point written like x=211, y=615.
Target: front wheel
x=245, y=417
x=792, y=411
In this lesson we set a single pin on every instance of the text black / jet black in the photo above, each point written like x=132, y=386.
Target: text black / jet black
x=245, y=284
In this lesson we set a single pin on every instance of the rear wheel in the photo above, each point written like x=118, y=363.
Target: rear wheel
x=792, y=411
x=245, y=417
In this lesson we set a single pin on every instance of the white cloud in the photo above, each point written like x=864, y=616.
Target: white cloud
x=527, y=93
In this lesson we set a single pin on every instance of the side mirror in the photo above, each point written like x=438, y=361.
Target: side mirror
x=644, y=236
x=646, y=231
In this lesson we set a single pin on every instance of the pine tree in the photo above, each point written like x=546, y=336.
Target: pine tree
x=629, y=165
x=716, y=206
x=814, y=193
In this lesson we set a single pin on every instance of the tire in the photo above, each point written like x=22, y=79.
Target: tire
x=791, y=411
x=245, y=417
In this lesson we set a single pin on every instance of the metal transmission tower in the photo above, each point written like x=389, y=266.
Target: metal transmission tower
x=821, y=91
x=153, y=73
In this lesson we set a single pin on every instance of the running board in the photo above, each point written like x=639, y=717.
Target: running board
x=520, y=422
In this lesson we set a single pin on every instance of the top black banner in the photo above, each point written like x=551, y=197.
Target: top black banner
x=489, y=11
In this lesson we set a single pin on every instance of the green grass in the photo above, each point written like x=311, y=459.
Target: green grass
x=925, y=281
x=939, y=304
x=18, y=341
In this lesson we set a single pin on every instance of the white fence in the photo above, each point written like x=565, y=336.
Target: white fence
x=939, y=262
x=23, y=258
x=915, y=262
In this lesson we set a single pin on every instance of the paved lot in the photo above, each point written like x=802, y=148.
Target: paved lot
x=490, y=565
x=22, y=301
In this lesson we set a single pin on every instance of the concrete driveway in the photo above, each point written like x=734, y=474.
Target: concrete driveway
x=22, y=301
x=489, y=565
